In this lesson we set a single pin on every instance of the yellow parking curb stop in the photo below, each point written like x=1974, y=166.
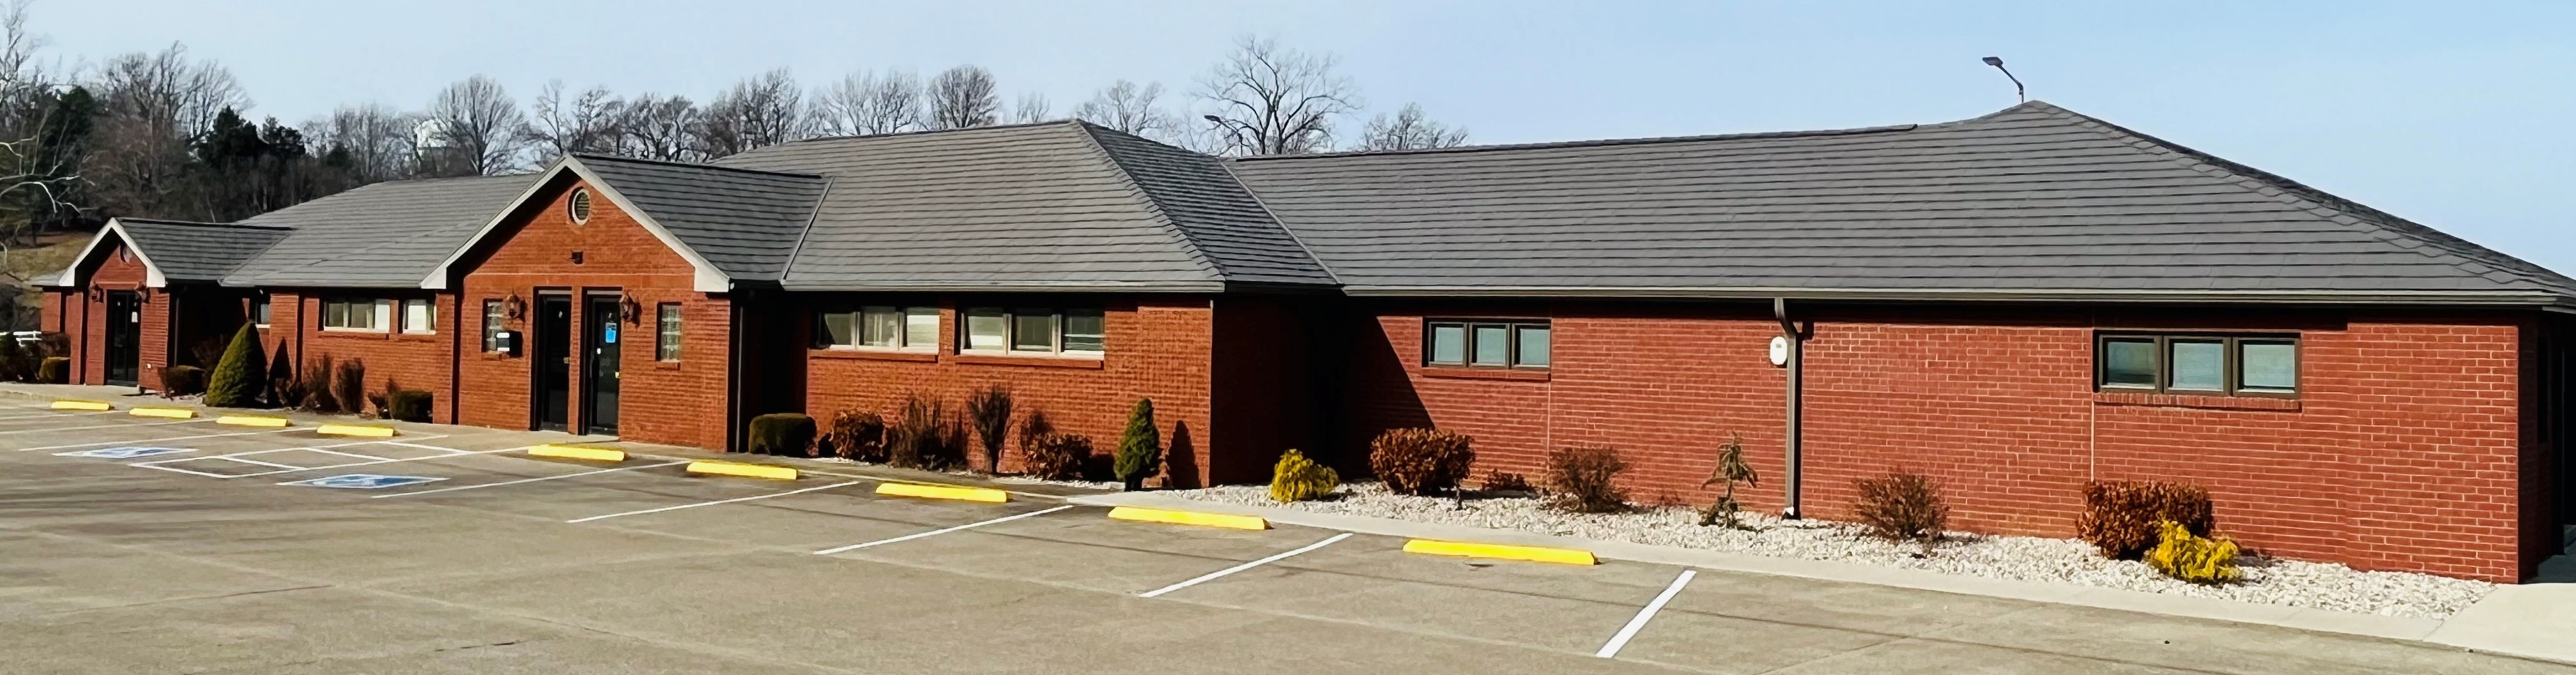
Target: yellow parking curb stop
x=251, y=421
x=578, y=452
x=173, y=413
x=744, y=470
x=1501, y=552
x=1189, y=518
x=81, y=405
x=355, y=430
x=971, y=494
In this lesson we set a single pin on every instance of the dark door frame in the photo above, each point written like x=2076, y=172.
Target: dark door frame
x=128, y=322
x=549, y=351
x=595, y=340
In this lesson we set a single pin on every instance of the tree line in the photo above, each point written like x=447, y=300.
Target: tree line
x=165, y=135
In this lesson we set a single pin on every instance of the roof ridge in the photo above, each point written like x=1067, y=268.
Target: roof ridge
x=204, y=223
x=1652, y=140
x=691, y=165
x=2312, y=200
x=788, y=266
x=1153, y=203
x=898, y=134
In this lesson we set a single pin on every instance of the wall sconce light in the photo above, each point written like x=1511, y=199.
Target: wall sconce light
x=514, y=308
x=628, y=309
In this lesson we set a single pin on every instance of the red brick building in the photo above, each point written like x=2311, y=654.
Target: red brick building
x=2013, y=304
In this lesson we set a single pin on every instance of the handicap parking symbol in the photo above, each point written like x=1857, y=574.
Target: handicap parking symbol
x=362, y=481
x=129, y=452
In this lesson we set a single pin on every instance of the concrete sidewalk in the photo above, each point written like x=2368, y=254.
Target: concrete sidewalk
x=2536, y=620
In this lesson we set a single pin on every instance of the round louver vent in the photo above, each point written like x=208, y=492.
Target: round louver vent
x=580, y=207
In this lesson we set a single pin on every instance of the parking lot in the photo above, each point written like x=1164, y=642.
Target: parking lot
x=141, y=545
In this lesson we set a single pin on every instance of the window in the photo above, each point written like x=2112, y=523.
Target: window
x=1036, y=330
x=2210, y=365
x=666, y=340
x=880, y=327
x=1486, y=344
x=259, y=310
x=366, y=314
x=420, y=316
x=578, y=206
x=493, y=317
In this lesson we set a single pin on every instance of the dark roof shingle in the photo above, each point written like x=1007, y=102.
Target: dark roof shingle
x=384, y=235
x=190, y=251
x=744, y=222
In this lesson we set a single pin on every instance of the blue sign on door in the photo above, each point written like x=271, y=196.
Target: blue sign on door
x=608, y=335
x=123, y=453
x=362, y=481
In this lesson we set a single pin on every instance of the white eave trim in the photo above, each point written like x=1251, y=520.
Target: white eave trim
x=152, y=277
x=708, y=278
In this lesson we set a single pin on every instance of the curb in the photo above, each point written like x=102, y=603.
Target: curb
x=1561, y=556
x=2411, y=629
x=970, y=494
x=252, y=421
x=577, y=452
x=740, y=469
x=82, y=405
x=172, y=413
x=355, y=430
x=1145, y=515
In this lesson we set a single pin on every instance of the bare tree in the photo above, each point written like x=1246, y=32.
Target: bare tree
x=758, y=112
x=376, y=139
x=1409, y=129
x=40, y=162
x=866, y=104
x=1128, y=107
x=963, y=97
x=1032, y=108
x=654, y=127
x=150, y=107
x=586, y=125
x=472, y=130
x=1275, y=101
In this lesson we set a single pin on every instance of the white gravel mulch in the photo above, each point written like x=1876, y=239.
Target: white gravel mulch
x=2282, y=582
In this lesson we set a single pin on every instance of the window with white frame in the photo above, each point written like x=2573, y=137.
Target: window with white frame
x=259, y=310
x=880, y=327
x=357, y=314
x=420, y=316
x=1034, y=330
x=666, y=334
x=493, y=318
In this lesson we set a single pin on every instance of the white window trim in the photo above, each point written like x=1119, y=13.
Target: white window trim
x=857, y=316
x=680, y=314
x=431, y=329
x=1010, y=323
x=384, y=318
x=255, y=305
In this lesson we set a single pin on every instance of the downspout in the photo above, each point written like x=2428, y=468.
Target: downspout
x=1795, y=396
x=735, y=353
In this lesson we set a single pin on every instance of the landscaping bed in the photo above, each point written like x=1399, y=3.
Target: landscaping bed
x=2282, y=582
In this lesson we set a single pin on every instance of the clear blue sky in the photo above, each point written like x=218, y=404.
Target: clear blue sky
x=2451, y=114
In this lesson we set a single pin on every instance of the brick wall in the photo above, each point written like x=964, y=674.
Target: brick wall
x=1156, y=347
x=2401, y=452
x=111, y=268
x=681, y=402
x=399, y=354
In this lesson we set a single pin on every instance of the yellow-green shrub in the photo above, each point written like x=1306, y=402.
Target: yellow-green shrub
x=2183, y=555
x=1298, y=479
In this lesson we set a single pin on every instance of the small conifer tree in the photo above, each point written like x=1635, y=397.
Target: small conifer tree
x=242, y=374
x=1140, y=447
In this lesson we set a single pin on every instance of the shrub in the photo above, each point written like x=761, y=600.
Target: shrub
x=1298, y=479
x=856, y=436
x=1497, y=480
x=382, y=401
x=990, y=411
x=349, y=386
x=240, y=374
x=1034, y=428
x=927, y=436
x=54, y=370
x=1055, y=456
x=317, y=387
x=781, y=434
x=182, y=381
x=17, y=363
x=409, y=405
x=1420, y=461
x=2120, y=517
x=1901, y=507
x=2193, y=558
x=1140, y=447
x=283, y=389
x=1730, y=470
x=209, y=352
x=1584, y=480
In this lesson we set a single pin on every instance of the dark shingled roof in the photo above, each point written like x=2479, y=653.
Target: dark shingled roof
x=744, y=222
x=192, y=251
x=1054, y=206
x=385, y=235
x=2033, y=201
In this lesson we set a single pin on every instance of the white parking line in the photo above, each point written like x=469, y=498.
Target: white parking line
x=531, y=480
x=451, y=452
x=1328, y=541
x=289, y=467
x=97, y=426
x=918, y=535
x=344, y=454
x=41, y=413
x=713, y=503
x=1611, y=649
x=161, y=440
